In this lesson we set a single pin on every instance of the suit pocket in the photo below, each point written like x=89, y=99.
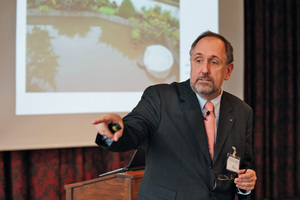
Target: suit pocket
x=164, y=193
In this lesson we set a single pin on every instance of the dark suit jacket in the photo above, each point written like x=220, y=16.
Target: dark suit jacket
x=178, y=165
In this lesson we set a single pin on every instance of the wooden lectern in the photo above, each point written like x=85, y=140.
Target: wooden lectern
x=123, y=186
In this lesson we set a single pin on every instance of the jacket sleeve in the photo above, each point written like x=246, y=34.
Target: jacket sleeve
x=141, y=123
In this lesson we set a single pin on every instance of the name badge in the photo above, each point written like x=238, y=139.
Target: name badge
x=233, y=162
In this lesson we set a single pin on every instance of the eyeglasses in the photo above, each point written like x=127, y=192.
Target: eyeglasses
x=227, y=178
x=231, y=176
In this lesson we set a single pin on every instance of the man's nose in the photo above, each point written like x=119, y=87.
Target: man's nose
x=205, y=67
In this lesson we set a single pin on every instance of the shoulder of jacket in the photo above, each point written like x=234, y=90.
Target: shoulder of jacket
x=236, y=101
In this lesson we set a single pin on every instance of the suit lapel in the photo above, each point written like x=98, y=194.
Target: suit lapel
x=226, y=121
x=191, y=108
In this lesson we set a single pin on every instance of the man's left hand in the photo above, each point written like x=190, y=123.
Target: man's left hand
x=246, y=181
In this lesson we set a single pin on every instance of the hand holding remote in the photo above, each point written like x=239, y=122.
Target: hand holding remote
x=114, y=127
x=109, y=125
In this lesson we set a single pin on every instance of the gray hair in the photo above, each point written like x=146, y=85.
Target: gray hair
x=228, y=47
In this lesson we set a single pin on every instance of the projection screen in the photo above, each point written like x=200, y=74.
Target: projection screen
x=68, y=67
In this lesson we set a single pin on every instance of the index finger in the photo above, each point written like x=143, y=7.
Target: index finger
x=242, y=171
x=100, y=120
x=246, y=173
x=108, y=118
x=102, y=129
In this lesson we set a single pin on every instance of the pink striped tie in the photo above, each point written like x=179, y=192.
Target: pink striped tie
x=209, y=121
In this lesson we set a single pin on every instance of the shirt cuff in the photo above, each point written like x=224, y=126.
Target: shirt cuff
x=107, y=140
x=103, y=141
x=243, y=192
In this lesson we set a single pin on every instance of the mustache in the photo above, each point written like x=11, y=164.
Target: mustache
x=204, y=76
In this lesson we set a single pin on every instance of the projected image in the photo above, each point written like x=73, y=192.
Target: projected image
x=101, y=45
x=98, y=56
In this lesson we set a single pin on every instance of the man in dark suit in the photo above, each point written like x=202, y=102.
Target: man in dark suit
x=171, y=118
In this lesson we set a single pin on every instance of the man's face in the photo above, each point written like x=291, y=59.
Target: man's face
x=208, y=67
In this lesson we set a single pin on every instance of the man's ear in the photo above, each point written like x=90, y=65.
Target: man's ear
x=229, y=69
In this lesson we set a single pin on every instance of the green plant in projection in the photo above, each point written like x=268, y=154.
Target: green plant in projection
x=160, y=26
x=30, y=5
x=102, y=6
x=108, y=10
x=94, y=7
x=44, y=8
x=100, y=3
x=33, y=3
x=136, y=35
x=41, y=62
x=156, y=13
x=139, y=30
x=155, y=24
x=175, y=39
x=127, y=9
x=85, y=4
x=74, y=4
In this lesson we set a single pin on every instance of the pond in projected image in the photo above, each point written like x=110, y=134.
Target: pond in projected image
x=78, y=54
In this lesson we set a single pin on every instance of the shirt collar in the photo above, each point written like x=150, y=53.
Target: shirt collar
x=216, y=101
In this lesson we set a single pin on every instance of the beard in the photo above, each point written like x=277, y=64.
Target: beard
x=204, y=89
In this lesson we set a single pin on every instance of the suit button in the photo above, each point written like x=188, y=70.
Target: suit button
x=210, y=166
x=212, y=194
